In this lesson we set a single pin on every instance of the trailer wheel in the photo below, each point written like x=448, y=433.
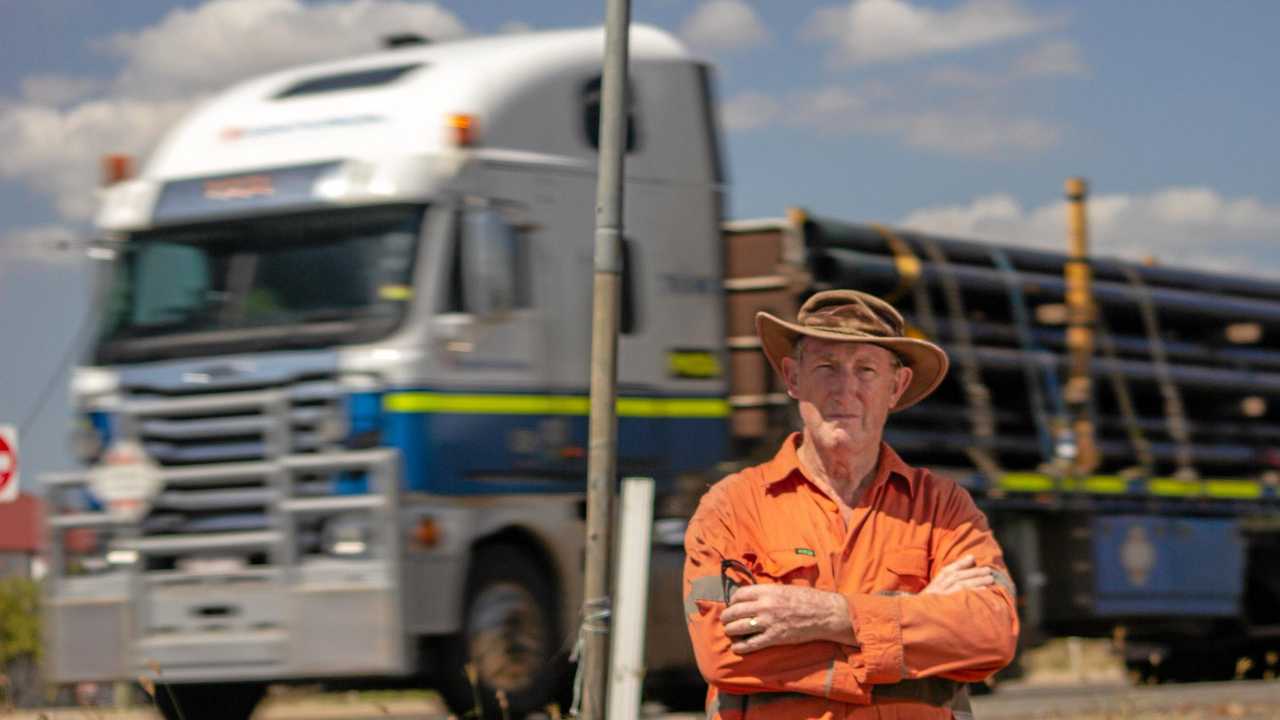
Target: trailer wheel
x=220, y=701
x=511, y=639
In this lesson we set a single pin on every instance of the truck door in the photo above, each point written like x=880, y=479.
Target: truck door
x=494, y=425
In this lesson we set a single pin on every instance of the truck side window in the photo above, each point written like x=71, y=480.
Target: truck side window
x=490, y=271
x=590, y=98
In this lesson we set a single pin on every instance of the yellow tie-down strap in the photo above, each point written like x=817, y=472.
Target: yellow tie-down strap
x=1224, y=488
x=640, y=407
x=904, y=261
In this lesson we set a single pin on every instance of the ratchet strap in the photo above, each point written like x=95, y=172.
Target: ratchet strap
x=1120, y=388
x=1174, y=413
x=904, y=261
x=1032, y=355
x=977, y=395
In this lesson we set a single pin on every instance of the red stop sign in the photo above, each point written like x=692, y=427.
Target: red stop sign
x=8, y=463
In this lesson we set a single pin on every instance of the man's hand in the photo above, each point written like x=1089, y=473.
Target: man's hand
x=959, y=575
x=785, y=615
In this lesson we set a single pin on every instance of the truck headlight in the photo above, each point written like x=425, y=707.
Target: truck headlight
x=89, y=552
x=349, y=536
x=92, y=385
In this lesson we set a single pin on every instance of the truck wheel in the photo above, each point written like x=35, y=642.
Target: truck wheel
x=511, y=639
x=223, y=701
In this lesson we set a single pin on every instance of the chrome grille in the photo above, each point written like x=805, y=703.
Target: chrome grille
x=237, y=426
x=234, y=427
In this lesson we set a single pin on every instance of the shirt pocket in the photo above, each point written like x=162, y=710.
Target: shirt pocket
x=906, y=570
x=787, y=567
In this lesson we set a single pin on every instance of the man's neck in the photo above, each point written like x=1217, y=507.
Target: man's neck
x=846, y=472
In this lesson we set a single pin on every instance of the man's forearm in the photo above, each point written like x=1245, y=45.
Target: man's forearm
x=840, y=627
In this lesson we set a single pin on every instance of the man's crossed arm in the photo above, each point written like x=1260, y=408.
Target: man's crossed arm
x=761, y=616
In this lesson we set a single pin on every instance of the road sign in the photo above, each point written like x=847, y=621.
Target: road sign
x=8, y=463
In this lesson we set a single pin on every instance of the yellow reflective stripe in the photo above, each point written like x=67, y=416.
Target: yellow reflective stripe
x=551, y=405
x=1171, y=486
x=673, y=407
x=1241, y=489
x=1026, y=482
x=1116, y=485
x=1106, y=484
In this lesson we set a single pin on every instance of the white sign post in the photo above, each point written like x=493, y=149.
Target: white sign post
x=631, y=595
x=8, y=463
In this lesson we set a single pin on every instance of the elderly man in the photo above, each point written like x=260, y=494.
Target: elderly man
x=835, y=580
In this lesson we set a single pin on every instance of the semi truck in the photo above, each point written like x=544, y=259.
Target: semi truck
x=333, y=422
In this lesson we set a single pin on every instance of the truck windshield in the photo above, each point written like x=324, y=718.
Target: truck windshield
x=260, y=284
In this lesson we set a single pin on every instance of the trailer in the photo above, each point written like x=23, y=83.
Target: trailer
x=1162, y=538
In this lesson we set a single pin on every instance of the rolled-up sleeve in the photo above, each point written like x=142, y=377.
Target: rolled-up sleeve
x=821, y=669
x=965, y=635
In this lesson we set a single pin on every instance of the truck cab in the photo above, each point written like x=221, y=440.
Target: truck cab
x=335, y=413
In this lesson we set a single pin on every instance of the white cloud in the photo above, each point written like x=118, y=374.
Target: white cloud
x=1181, y=226
x=724, y=25
x=978, y=133
x=56, y=151
x=748, y=111
x=1057, y=57
x=966, y=79
x=515, y=26
x=55, y=136
x=57, y=89
x=222, y=41
x=875, y=31
x=879, y=110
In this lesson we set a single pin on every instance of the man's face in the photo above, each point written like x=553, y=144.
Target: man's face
x=845, y=390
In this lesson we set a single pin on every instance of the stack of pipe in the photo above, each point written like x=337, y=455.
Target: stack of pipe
x=1211, y=340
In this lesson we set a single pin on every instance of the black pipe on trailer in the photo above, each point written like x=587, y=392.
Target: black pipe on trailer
x=822, y=234
x=879, y=273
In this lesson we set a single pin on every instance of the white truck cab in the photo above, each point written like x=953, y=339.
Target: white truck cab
x=338, y=399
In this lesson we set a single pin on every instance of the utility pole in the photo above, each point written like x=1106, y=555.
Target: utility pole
x=602, y=443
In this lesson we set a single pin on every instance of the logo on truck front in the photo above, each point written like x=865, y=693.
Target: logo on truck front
x=239, y=188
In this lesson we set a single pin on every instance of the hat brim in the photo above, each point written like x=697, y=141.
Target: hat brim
x=927, y=361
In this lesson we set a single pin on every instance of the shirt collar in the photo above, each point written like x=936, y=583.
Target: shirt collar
x=889, y=465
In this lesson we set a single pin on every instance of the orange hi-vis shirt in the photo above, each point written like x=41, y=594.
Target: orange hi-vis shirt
x=914, y=651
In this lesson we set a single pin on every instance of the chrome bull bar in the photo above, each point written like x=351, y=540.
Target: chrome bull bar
x=117, y=623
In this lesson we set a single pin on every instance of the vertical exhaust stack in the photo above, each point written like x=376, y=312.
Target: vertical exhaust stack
x=1081, y=315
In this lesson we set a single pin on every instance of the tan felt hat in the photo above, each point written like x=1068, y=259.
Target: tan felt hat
x=855, y=316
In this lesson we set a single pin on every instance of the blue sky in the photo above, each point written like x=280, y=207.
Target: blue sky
x=958, y=116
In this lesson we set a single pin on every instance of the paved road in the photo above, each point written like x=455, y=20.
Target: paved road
x=1248, y=700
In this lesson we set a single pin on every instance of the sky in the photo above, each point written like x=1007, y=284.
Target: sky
x=961, y=117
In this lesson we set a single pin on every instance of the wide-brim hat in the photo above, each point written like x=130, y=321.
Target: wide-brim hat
x=855, y=316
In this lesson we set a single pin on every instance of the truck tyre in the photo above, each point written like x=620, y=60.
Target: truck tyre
x=221, y=701
x=511, y=638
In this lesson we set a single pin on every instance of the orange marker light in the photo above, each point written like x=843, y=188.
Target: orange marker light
x=116, y=168
x=427, y=532
x=462, y=129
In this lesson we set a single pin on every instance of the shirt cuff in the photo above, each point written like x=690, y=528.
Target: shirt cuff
x=877, y=624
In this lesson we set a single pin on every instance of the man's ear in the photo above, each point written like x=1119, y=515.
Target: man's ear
x=902, y=379
x=790, y=372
